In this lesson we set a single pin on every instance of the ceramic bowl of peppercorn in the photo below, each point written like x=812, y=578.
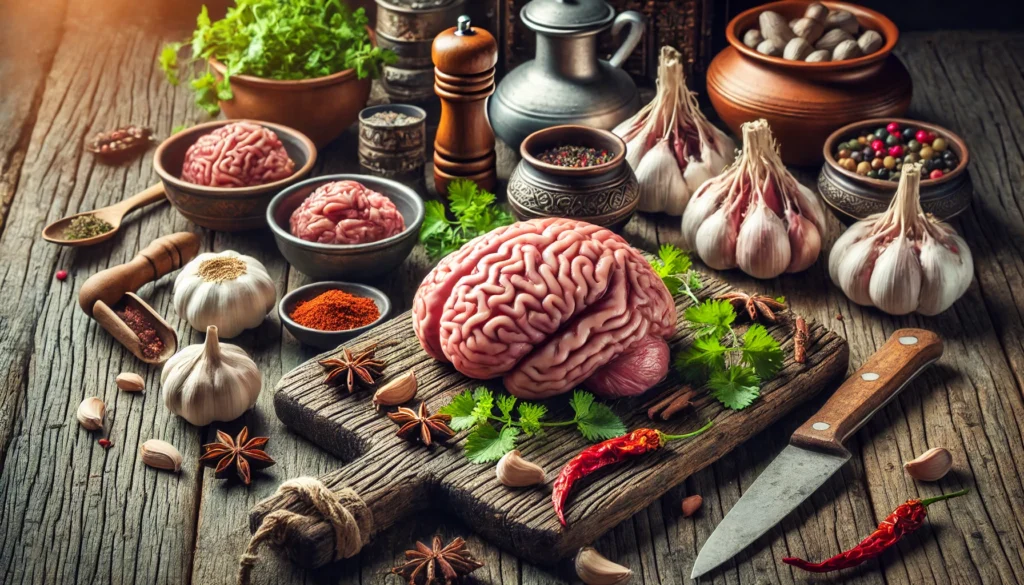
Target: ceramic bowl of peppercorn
x=576, y=172
x=326, y=314
x=864, y=162
x=346, y=227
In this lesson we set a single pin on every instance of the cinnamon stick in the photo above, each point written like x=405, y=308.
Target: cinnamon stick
x=800, y=341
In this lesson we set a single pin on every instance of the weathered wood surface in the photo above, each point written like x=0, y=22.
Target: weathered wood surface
x=381, y=466
x=71, y=512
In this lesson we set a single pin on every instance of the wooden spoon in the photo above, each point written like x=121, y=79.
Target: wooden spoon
x=112, y=214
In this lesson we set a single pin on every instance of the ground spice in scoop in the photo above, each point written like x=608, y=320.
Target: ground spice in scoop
x=335, y=310
x=86, y=226
x=141, y=325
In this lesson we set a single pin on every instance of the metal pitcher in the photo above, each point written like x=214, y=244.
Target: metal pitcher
x=566, y=83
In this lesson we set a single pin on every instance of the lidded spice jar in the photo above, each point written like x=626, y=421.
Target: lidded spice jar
x=393, y=142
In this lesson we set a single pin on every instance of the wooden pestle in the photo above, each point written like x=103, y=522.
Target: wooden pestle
x=160, y=257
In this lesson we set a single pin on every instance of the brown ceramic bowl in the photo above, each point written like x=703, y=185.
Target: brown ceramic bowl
x=221, y=208
x=321, y=108
x=805, y=102
x=857, y=196
x=605, y=194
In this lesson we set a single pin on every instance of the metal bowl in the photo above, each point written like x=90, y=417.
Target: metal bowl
x=357, y=262
x=223, y=208
x=857, y=196
x=329, y=339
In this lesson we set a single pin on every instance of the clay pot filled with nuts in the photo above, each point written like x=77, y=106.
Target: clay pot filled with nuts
x=807, y=68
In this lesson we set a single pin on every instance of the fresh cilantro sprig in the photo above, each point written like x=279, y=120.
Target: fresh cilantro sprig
x=480, y=409
x=676, y=271
x=732, y=367
x=275, y=39
x=475, y=214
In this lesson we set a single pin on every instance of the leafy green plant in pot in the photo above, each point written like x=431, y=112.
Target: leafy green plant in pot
x=307, y=64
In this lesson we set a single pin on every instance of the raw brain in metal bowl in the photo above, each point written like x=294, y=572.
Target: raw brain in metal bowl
x=548, y=304
x=346, y=212
x=240, y=154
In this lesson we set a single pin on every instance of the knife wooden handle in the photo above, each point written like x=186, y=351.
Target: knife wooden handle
x=870, y=388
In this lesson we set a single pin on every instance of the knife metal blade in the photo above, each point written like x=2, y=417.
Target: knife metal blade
x=816, y=449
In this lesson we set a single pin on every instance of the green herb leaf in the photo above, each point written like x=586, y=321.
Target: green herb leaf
x=475, y=214
x=600, y=423
x=486, y=444
x=711, y=318
x=484, y=404
x=581, y=402
x=530, y=416
x=761, y=352
x=707, y=354
x=506, y=402
x=736, y=387
x=461, y=410
x=434, y=221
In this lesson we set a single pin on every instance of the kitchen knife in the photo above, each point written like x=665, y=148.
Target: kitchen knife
x=816, y=450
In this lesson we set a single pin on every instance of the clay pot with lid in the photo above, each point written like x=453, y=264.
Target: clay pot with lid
x=805, y=102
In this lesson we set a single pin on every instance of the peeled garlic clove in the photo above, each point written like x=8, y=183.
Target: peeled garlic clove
x=804, y=242
x=896, y=280
x=701, y=206
x=398, y=391
x=716, y=241
x=853, y=275
x=932, y=465
x=594, y=569
x=90, y=413
x=946, y=274
x=514, y=471
x=130, y=382
x=160, y=455
x=762, y=247
x=662, y=188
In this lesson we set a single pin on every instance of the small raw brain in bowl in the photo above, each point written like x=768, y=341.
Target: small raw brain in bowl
x=240, y=154
x=549, y=304
x=346, y=212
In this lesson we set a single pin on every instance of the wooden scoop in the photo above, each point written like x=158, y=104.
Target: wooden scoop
x=113, y=215
x=113, y=288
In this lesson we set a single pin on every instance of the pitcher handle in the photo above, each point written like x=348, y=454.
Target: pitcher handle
x=637, y=22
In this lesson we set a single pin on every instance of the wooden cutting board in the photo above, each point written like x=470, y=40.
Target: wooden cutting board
x=396, y=478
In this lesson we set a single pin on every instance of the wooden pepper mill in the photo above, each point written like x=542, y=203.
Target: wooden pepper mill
x=116, y=285
x=464, y=59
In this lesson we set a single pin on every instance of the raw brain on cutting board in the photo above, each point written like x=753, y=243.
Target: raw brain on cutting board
x=548, y=304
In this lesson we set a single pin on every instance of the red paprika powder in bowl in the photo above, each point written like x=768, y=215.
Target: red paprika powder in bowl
x=327, y=314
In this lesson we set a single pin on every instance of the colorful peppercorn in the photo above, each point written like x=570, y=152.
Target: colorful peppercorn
x=62, y=275
x=882, y=152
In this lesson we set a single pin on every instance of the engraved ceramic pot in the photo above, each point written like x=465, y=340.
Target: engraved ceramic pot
x=857, y=196
x=396, y=152
x=606, y=195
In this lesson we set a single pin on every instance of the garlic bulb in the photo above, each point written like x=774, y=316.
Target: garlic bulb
x=903, y=260
x=227, y=290
x=210, y=381
x=670, y=144
x=755, y=215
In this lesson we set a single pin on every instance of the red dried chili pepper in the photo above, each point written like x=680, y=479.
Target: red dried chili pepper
x=607, y=453
x=905, y=519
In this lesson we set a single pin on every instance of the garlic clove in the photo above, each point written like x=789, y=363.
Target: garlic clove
x=853, y=275
x=662, y=188
x=724, y=154
x=160, y=455
x=896, y=279
x=130, y=382
x=691, y=504
x=638, y=146
x=514, y=471
x=398, y=391
x=932, y=465
x=811, y=206
x=762, y=247
x=946, y=274
x=804, y=242
x=715, y=242
x=90, y=413
x=701, y=206
x=856, y=233
x=594, y=569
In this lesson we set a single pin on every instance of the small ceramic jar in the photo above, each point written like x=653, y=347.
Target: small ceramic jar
x=393, y=150
x=606, y=194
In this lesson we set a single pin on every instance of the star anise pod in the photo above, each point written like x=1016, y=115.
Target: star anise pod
x=438, y=565
x=428, y=427
x=241, y=453
x=756, y=306
x=356, y=369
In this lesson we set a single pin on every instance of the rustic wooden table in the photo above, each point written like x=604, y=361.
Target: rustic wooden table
x=72, y=512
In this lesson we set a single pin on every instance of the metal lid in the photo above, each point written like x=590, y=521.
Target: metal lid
x=567, y=15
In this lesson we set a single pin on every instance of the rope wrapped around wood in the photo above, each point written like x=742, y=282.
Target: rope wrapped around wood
x=345, y=511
